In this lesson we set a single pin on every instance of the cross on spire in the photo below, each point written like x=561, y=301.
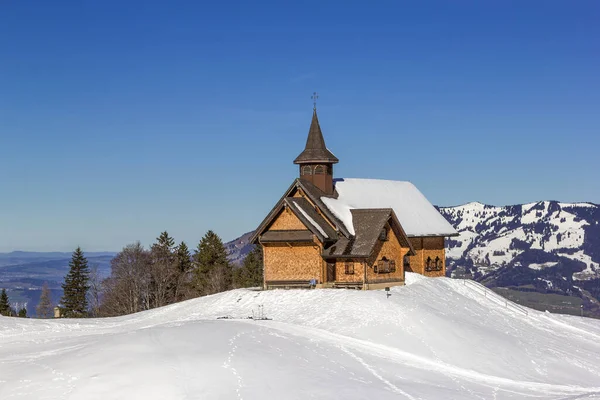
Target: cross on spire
x=314, y=98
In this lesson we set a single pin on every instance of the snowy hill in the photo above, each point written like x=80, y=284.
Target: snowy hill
x=432, y=339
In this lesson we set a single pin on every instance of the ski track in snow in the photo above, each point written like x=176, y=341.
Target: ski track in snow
x=372, y=370
x=404, y=358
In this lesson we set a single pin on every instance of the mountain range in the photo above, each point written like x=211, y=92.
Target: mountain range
x=549, y=248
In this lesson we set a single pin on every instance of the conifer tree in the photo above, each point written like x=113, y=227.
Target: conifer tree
x=75, y=287
x=4, y=304
x=250, y=274
x=184, y=268
x=165, y=241
x=22, y=313
x=184, y=258
x=213, y=271
x=44, y=308
x=163, y=271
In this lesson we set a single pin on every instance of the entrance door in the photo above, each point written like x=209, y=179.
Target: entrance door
x=330, y=272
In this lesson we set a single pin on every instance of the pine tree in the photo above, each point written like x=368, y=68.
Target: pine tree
x=163, y=271
x=213, y=271
x=75, y=287
x=250, y=274
x=184, y=258
x=165, y=241
x=184, y=267
x=22, y=313
x=44, y=308
x=4, y=304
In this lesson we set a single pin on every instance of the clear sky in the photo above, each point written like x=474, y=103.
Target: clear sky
x=121, y=119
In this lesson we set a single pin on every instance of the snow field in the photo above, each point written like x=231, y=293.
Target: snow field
x=432, y=339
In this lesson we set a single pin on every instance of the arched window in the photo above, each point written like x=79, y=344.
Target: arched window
x=307, y=170
x=320, y=170
x=438, y=264
x=428, y=264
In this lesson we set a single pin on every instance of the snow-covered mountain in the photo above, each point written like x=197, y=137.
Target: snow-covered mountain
x=497, y=236
x=548, y=245
x=436, y=338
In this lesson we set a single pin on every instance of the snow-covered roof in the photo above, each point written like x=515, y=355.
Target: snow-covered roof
x=416, y=214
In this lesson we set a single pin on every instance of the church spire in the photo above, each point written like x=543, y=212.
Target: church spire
x=316, y=161
x=315, y=150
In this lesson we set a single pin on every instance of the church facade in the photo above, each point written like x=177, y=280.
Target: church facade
x=348, y=233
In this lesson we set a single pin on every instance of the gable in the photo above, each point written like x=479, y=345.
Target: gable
x=391, y=249
x=307, y=197
x=368, y=225
x=287, y=221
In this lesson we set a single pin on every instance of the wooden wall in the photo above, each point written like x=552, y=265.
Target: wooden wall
x=287, y=220
x=392, y=250
x=427, y=247
x=340, y=270
x=292, y=262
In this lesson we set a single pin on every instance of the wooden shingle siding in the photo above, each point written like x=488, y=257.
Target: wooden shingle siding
x=428, y=247
x=340, y=270
x=292, y=262
x=286, y=221
x=391, y=249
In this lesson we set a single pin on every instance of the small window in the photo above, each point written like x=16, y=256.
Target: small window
x=428, y=264
x=406, y=261
x=307, y=170
x=320, y=170
x=438, y=264
x=392, y=265
x=383, y=266
x=383, y=235
x=349, y=268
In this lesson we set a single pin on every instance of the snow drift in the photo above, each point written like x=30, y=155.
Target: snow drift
x=432, y=339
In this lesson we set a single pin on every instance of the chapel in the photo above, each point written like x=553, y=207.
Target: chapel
x=328, y=232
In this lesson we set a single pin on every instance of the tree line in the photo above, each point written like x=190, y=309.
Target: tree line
x=142, y=279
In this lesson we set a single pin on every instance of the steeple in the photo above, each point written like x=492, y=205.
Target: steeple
x=315, y=150
x=316, y=161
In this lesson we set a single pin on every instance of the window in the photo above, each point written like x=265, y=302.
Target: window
x=307, y=170
x=406, y=261
x=392, y=265
x=434, y=265
x=349, y=268
x=383, y=235
x=383, y=266
x=319, y=170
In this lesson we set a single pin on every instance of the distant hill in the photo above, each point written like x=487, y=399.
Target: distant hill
x=239, y=248
x=23, y=273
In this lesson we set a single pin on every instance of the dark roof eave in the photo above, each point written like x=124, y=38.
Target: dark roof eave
x=346, y=256
x=435, y=235
x=316, y=161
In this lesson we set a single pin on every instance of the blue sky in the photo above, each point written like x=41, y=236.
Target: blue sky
x=119, y=120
